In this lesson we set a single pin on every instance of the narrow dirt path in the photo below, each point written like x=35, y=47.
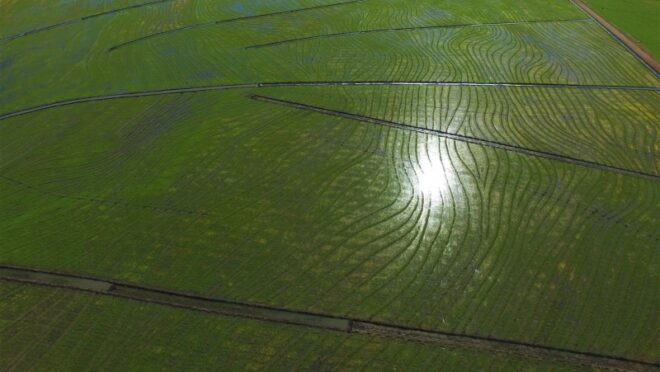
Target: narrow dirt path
x=644, y=55
x=322, y=321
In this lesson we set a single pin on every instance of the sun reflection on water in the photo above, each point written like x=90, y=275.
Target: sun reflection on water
x=434, y=172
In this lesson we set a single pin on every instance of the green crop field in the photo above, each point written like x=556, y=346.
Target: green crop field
x=469, y=185
x=638, y=18
x=83, y=332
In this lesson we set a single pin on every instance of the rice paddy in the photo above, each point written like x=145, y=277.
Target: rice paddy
x=486, y=173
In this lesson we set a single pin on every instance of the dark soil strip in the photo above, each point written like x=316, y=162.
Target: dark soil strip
x=353, y=33
x=642, y=54
x=81, y=19
x=312, y=84
x=457, y=137
x=197, y=25
x=322, y=321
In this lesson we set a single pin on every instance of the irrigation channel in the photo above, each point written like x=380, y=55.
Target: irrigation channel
x=196, y=302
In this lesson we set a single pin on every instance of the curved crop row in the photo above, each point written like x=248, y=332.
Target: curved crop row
x=612, y=127
x=313, y=212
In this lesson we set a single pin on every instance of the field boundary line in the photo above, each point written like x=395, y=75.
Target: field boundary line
x=80, y=19
x=225, y=21
x=124, y=96
x=456, y=137
x=457, y=84
x=348, y=325
x=397, y=29
x=633, y=47
x=199, y=89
